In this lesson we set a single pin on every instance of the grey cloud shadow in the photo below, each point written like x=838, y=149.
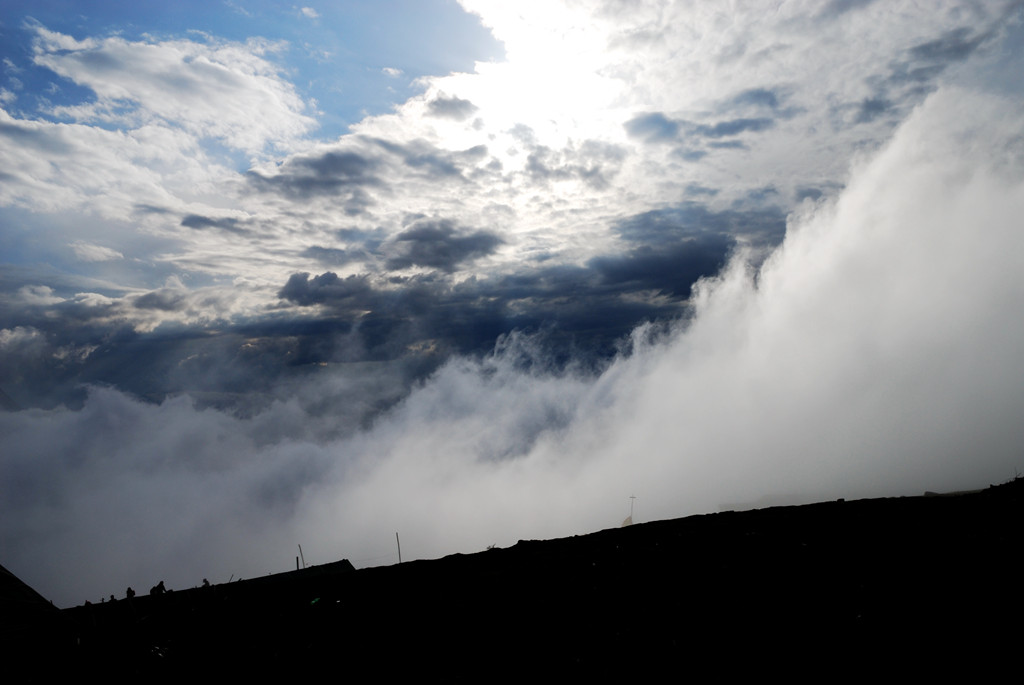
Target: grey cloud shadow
x=592, y=162
x=656, y=127
x=333, y=256
x=435, y=162
x=163, y=300
x=755, y=103
x=37, y=138
x=229, y=224
x=451, y=108
x=342, y=174
x=653, y=127
x=914, y=75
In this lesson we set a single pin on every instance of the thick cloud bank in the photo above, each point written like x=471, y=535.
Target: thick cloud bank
x=878, y=351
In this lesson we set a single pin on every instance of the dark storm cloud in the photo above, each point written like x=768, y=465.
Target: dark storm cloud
x=44, y=357
x=673, y=248
x=588, y=308
x=325, y=288
x=670, y=269
x=579, y=313
x=49, y=360
x=340, y=173
x=88, y=338
x=438, y=245
x=451, y=108
x=229, y=224
x=396, y=316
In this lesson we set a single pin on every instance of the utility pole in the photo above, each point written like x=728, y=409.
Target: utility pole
x=629, y=519
x=399, y=543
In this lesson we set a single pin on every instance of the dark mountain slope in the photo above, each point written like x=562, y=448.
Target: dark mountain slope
x=919, y=583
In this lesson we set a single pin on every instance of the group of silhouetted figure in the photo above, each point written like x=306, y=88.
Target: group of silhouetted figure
x=158, y=589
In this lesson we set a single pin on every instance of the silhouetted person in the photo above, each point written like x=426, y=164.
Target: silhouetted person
x=158, y=589
x=206, y=583
x=129, y=593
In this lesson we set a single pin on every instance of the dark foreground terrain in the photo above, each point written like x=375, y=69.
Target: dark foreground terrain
x=919, y=584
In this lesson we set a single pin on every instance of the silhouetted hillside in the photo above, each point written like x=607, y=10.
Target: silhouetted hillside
x=916, y=582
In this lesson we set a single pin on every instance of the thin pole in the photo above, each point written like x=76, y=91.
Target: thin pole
x=399, y=543
x=303, y=557
x=631, y=498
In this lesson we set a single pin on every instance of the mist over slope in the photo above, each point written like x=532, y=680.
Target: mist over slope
x=878, y=351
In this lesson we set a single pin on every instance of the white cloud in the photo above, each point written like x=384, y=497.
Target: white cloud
x=88, y=252
x=238, y=8
x=52, y=167
x=19, y=336
x=220, y=90
x=309, y=13
x=34, y=295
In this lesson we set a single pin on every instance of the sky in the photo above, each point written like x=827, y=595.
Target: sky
x=276, y=275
